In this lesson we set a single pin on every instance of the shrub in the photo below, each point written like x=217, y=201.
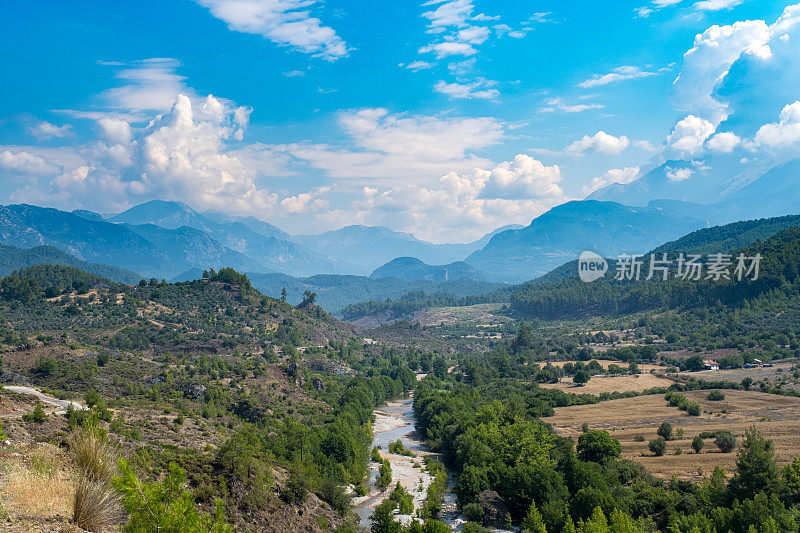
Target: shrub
x=38, y=415
x=638, y=438
x=581, y=377
x=716, y=396
x=693, y=409
x=697, y=444
x=665, y=430
x=658, y=446
x=376, y=456
x=473, y=512
x=725, y=441
x=384, y=475
x=399, y=448
x=96, y=506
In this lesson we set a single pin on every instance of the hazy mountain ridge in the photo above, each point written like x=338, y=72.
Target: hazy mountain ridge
x=412, y=269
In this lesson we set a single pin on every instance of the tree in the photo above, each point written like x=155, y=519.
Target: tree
x=697, y=444
x=283, y=294
x=309, y=298
x=533, y=522
x=581, y=377
x=747, y=383
x=694, y=363
x=756, y=469
x=165, y=506
x=658, y=446
x=665, y=430
x=598, y=446
x=725, y=441
x=38, y=415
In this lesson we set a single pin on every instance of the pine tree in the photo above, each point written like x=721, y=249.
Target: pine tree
x=533, y=522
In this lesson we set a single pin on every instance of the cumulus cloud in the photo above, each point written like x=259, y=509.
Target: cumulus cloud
x=615, y=175
x=284, y=22
x=782, y=134
x=26, y=163
x=148, y=85
x=45, y=130
x=601, y=143
x=480, y=89
x=723, y=143
x=689, y=134
x=678, y=174
x=462, y=206
x=625, y=72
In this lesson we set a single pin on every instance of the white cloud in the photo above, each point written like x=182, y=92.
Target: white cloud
x=709, y=60
x=689, y=135
x=678, y=174
x=449, y=13
x=615, y=175
x=716, y=5
x=150, y=85
x=284, y=22
x=480, y=89
x=45, y=130
x=525, y=178
x=723, y=143
x=26, y=163
x=625, y=72
x=419, y=65
x=115, y=130
x=781, y=134
x=449, y=48
x=389, y=146
x=462, y=206
x=601, y=143
x=554, y=105
x=654, y=6
x=305, y=202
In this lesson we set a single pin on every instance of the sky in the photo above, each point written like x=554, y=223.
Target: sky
x=443, y=118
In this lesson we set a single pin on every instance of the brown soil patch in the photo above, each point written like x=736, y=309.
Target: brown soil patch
x=597, y=385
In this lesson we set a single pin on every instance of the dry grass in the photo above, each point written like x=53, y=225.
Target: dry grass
x=96, y=506
x=777, y=417
x=37, y=489
x=95, y=458
x=644, y=367
x=597, y=385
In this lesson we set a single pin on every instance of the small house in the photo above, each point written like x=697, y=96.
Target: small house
x=711, y=365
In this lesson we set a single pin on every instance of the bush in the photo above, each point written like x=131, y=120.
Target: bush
x=38, y=415
x=725, y=441
x=658, y=446
x=400, y=449
x=384, y=475
x=693, y=409
x=665, y=430
x=697, y=444
x=581, y=377
x=716, y=396
x=473, y=512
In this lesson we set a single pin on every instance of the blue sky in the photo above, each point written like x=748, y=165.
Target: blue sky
x=445, y=118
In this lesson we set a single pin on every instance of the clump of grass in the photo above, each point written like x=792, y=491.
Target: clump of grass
x=96, y=506
x=95, y=457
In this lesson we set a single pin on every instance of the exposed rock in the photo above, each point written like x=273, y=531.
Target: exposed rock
x=12, y=378
x=194, y=391
x=494, y=509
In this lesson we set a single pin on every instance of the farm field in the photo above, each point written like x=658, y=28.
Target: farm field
x=597, y=385
x=777, y=417
x=780, y=371
x=644, y=367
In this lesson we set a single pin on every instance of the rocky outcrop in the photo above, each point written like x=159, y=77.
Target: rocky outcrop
x=495, y=510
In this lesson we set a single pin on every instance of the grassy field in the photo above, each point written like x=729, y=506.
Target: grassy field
x=644, y=367
x=597, y=385
x=777, y=417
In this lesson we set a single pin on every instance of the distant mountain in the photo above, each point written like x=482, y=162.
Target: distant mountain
x=263, y=243
x=149, y=250
x=368, y=247
x=775, y=193
x=13, y=258
x=562, y=233
x=189, y=247
x=412, y=269
x=27, y=226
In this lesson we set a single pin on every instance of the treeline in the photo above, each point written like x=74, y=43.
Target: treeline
x=570, y=298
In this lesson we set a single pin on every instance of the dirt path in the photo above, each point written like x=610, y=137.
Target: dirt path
x=61, y=405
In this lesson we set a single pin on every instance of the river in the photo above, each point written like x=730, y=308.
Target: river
x=395, y=420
